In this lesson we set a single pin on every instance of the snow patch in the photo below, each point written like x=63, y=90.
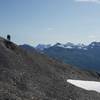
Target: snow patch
x=87, y=85
x=85, y=49
x=69, y=47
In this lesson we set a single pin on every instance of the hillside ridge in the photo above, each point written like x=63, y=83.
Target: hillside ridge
x=34, y=76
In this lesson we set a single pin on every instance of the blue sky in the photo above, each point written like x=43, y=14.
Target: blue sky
x=50, y=21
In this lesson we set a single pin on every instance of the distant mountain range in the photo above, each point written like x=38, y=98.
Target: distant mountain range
x=69, y=45
x=83, y=56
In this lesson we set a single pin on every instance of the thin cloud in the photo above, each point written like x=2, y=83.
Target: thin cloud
x=91, y=1
x=92, y=36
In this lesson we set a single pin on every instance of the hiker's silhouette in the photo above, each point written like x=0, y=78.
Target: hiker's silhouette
x=8, y=37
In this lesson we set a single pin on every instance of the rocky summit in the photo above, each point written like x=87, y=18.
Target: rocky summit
x=34, y=76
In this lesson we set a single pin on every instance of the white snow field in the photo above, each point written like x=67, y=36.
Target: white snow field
x=87, y=85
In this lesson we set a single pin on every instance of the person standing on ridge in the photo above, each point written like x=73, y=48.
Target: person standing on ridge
x=8, y=37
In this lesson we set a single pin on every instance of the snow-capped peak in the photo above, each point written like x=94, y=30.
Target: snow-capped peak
x=81, y=46
x=70, y=45
x=67, y=45
x=93, y=44
x=43, y=46
x=58, y=44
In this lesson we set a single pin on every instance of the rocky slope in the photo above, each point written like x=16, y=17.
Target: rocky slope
x=33, y=76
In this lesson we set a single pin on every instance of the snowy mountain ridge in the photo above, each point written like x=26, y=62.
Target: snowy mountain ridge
x=69, y=45
x=42, y=46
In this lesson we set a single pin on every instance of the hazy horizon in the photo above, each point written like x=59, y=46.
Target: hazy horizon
x=50, y=21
